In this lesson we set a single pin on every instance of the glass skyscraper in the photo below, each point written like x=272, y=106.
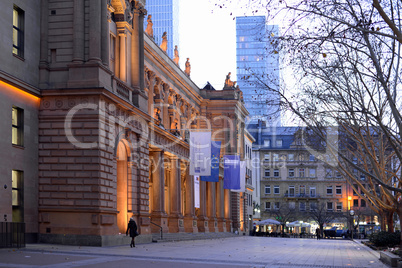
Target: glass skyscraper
x=257, y=63
x=165, y=18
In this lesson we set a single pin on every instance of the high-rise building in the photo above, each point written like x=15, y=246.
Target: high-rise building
x=165, y=18
x=258, y=59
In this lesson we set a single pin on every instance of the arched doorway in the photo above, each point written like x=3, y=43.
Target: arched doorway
x=122, y=186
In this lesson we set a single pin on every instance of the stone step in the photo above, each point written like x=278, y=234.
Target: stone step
x=169, y=237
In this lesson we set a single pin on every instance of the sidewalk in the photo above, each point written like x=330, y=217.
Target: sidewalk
x=242, y=251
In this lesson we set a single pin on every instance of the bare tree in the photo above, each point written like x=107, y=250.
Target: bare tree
x=345, y=56
x=321, y=215
x=284, y=213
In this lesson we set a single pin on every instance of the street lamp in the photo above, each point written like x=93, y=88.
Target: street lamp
x=352, y=213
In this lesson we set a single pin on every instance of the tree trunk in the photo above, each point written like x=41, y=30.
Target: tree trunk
x=390, y=221
x=383, y=221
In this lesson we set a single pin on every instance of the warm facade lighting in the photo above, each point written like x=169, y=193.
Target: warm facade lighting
x=14, y=90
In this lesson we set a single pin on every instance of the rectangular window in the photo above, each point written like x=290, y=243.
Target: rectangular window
x=329, y=206
x=17, y=195
x=311, y=157
x=276, y=189
x=267, y=143
x=339, y=206
x=17, y=136
x=267, y=189
x=291, y=191
x=301, y=172
x=302, y=206
x=313, y=206
x=361, y=189
x=18, y=31
x=276, y=172
x=276, y=205
x=329, y=190
x=267, y=205
x=328, y=172
x=291, y=172
x=291, y=157
x=355, y=186
x=279, y=143
x=267, y=173
x=355, y=202
x=276, y=157
x=312, y=172
x=362, y=203
x=302, y=190
x=312, y=191
x=266, y=157
x=338, y=189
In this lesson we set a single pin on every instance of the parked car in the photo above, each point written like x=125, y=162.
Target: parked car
x=335, y=232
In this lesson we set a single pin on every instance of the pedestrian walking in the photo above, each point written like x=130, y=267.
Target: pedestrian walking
x=317, y=232
x=132, y=227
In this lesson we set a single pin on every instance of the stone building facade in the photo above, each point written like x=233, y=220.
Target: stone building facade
x=106, y=119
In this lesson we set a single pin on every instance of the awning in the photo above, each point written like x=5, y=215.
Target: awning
x=268, y=222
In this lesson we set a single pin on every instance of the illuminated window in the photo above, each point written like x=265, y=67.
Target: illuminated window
x=18, y=31
x=17, y=196
x=17, y=136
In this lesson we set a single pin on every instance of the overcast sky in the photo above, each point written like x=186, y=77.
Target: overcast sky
x=208, y=38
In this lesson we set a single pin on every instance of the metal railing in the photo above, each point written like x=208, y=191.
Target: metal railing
x=160, y=228
x=12, y=234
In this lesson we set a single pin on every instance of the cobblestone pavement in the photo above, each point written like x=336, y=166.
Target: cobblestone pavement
x=242, y=251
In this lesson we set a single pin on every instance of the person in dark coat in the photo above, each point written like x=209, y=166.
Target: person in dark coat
x=132, y=227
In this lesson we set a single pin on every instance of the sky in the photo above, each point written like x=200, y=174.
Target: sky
x=208, y=38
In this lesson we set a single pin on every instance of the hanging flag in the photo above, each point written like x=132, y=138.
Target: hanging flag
x=231, y=175
x=215, y=154
x=242, y=177
x=200, y=153
x=197, y=191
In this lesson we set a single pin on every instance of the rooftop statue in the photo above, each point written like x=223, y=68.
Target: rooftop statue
x=188, y=67
x=228, y=82
x=149, y=30
x=176, y=55
x=164, y=42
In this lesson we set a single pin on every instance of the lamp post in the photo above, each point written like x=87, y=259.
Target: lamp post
x=352, y=213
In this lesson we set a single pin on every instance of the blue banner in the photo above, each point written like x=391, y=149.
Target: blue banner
x=215, y=155
x=231, y=177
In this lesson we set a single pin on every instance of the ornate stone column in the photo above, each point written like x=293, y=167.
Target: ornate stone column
x=190, y=222
x=78, y=35
x=211, y=206
x=158, y=214
x=175, y=217
x=202, y=215
x=95, y=30
x=220, y=206
x=228, y=214
x=105, y=36
x=123, y=54
x=137, y=47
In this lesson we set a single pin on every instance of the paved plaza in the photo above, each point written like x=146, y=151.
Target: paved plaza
x=242, y=251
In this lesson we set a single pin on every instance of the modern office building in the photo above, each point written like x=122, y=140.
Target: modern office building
x=257, y=58
x=165, y=17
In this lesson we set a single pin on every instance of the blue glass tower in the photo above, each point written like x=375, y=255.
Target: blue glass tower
x=258, y=61
x=165, y=18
